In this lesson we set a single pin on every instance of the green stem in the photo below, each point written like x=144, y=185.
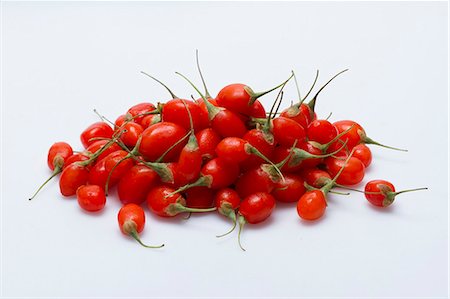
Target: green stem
x=279, y=165
x=95, y=155
x=339, y=193
x=191, y=122
x=324, y=147
x=56, y=171
x=272, y=113
x=165, y=86
x=242, y=222
x=159, y=160
x=212, y=110
x=112, y=170
x=255, y=95
x=103, y=118
x=207, y=95
x=312, y=103
x=204, y=181
x=309, y=91
x=133, y=153
x=410, y=190
x=254, y=151
x=177, y=208
x=300, y=155
x=195, y=210
x=281, y=100
x=325, y=189
x=368, y=140
x=134, y=234
x=296, y=85
x=232, y=216
x=161, y=169
x=353, y=189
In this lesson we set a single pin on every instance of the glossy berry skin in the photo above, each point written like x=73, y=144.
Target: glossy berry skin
x=280, y=128
x=131, y=219
x=98, y=129
x=139, y=109
x=72, y=177
x=232, y=149
x=131, y=133
x=355, y=136
x=262, y=141
x=77, y=157
x=310, y=162
x=257, y=110
x=58, y=154
x=150, y=120
x=380, y=187
x=253, y=181
x=227, y=200
x=312, y=205
x=189, y=162
x=158, y=138
x=131, y=212
x=204, y=110
x=289, y=190
x=99, y=173
x=352, y=174
x=91, y=198
x=175, y=111
x=228, y=124
x=301, y=114
x=120, y=121
x=135, y=184
x=97, y=145
x=199, y=197
x=161, y=204
x=363, y=153
x=315, y=177
x=235, y=98
x=207, y=140
x=321, y=131
x=257, y=207
x=295, y=163
x=222, y=172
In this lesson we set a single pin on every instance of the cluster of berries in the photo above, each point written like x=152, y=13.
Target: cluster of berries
x=224, y=153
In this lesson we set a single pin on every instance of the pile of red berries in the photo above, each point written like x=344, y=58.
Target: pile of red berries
x=224, y=153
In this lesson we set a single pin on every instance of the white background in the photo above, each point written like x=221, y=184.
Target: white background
x=61, y=60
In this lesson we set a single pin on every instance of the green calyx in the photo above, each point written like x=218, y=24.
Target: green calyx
x=255, y=95
x=299, y=155
x=324, y=147
x=389, y=195
x=205, y=181
x=212, y=110
x=162, y=169
x=129, y=227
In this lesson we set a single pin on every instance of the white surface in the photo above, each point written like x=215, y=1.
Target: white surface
x=62, y=60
